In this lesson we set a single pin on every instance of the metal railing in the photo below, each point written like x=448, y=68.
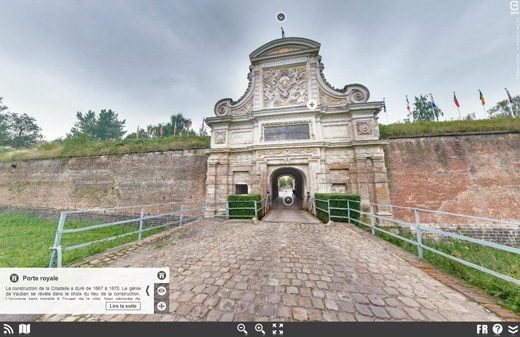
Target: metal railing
x=137, y=220
x=420, y=227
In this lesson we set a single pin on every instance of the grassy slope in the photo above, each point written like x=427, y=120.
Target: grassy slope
x=86, y=147
x=507, y=294
x=25, y=240
x=82, y=147
x=426, y=128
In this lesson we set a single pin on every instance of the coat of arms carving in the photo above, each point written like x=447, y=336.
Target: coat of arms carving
x=364, y=127
x=220, y=137
x=285, y=86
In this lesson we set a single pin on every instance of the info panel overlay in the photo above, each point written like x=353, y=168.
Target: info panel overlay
x=84, y=290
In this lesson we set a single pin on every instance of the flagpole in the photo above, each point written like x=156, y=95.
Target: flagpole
x=509, y=100
x=483, y=101
x=386, y=112
x=458, y=108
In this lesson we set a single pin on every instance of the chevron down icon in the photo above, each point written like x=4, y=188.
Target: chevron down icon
x=512, y=329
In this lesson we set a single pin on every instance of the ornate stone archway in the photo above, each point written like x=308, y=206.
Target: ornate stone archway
x=335, y=144
x=298, y=176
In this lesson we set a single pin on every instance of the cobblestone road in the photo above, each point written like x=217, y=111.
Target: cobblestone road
x=236, y=271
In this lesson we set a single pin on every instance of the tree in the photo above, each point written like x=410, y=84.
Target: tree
x=106, y=126
x=178, y=121
x=4, y=124
x=424, y=111
x=23, y=130
x=506, y=109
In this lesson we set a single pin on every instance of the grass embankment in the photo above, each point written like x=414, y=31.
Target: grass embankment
x=508, y=294
x=459, y=126
x=81, y=146
x=25, y=240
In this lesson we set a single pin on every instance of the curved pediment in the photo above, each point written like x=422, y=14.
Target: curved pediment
x=284, y=74
x=285, y=47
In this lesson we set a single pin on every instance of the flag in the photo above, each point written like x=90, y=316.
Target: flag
x=482, y=100
x=283, y=33
x=433, y=102
x=160, y=130
x=456, y=101
x=137, y=133
x=509, y=96
x=384, y=105
x=175, y=129
x=407, y=104
x=189, y=125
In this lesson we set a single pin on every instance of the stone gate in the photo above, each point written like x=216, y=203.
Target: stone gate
x=291, y=121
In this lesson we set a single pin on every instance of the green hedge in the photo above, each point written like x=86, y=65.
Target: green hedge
x=244, y=200
x=334, y=202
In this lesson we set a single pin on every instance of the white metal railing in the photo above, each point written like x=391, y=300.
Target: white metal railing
x=137, y=217
x=352, y=215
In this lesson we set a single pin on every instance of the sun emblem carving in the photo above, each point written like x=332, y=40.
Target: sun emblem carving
x=364, y=127
x=285, y=86
x=220, y=137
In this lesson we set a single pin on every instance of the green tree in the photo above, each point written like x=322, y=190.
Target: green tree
x=4, y=124
x=285, y=182
x=24, y=130
x=105, y=126
x=424, y=111
x=133, y=135
x=168, y=128
x=506, y=109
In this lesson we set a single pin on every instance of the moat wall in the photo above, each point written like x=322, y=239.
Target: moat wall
x=470, y=174
x=103, y=181
x=476, y=175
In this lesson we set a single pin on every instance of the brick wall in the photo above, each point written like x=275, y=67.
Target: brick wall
x=470, y=174
x=104, y=181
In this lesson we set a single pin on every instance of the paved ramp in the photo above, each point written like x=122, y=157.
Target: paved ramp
x=237, y=271
x=289, y=214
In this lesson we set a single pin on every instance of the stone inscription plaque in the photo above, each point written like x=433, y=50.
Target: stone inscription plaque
x=286, y=132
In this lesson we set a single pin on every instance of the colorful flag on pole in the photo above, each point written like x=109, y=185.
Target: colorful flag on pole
x=482, y=100
x=175, y=129
x=432, y=101
x=384, y=105
x=509, y=96
x=189, y=125
x=407, y=104
x=455, y=100
x=160, y=130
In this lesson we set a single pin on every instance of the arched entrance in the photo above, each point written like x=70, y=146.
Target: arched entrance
x=297, y=184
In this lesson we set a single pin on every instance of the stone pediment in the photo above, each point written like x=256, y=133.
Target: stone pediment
x=284, y=47
x=287, y=73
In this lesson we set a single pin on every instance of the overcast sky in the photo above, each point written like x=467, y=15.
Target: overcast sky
x=149, y=59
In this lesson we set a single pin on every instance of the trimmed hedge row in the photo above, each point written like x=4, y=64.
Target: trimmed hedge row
x=242, y=201
x=338, y=200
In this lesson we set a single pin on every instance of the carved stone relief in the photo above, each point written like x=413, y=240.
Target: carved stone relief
x=285, y=86
x=364, y=127
x=328, y=100
x=220, y=137
x=244, y=109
